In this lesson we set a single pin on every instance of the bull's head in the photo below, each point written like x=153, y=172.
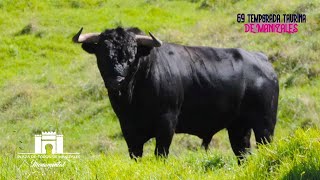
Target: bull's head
x=115, y=50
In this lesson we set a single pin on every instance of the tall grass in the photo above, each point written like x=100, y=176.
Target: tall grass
x=294, y=157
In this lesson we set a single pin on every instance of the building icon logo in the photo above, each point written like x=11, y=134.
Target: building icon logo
x=48, y=143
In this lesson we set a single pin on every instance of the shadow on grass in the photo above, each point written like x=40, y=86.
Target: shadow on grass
x=303, y=171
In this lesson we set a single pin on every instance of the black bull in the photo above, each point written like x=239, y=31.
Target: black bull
x=157, y=89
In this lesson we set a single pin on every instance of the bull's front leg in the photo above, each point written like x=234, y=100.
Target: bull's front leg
x=164, y=133
x=135, y=142
x=135, y=151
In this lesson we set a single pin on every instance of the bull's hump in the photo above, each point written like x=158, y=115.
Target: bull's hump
x=216, y=54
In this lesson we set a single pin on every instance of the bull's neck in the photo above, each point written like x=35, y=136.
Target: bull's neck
x=126, y=92
x=122, y=100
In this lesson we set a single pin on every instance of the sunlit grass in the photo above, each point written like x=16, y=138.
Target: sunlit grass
x=293, y=157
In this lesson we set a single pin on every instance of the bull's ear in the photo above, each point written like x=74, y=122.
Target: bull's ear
x=89, y=47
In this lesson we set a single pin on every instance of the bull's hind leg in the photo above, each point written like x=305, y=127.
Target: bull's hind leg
x=264, y=113
x=264, y=131
x=264, y=120
x=240, y=141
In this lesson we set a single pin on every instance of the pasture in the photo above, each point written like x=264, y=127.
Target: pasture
x=48, y=83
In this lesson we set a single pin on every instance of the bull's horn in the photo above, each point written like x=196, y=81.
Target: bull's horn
x=148, y=41
x=86, y=38
x=157, y=41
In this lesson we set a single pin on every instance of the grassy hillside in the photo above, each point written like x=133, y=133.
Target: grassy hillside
x=48, y=83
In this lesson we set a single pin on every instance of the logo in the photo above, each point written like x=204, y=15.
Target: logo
x=48, y=151
x=271, y=23
x=48, y=143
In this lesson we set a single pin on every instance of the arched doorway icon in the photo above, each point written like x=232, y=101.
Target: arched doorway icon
x=48, y=148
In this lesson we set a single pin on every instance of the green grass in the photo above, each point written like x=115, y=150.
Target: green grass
x=49, y=83
x=294, y=157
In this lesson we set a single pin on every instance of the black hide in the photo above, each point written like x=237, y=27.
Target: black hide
x=157, y=92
